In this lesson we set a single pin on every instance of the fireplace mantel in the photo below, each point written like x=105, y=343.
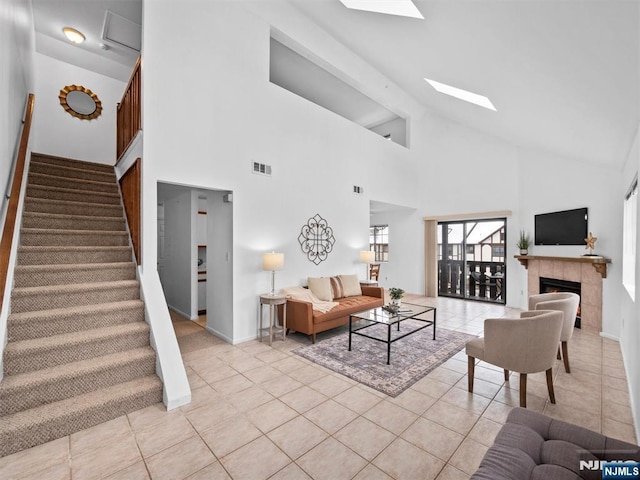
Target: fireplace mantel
x=599, y=263
x=573, y=269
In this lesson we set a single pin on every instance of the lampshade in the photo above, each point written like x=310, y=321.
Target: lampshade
x=367, y=256
x=272, y=261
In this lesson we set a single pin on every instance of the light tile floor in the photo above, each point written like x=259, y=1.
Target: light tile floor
x=262, y=412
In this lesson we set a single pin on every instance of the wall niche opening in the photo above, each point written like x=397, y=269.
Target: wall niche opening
x=296, y=73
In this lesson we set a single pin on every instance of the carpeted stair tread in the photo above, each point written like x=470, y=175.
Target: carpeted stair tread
x=55, y=420
x=58, y=321
x=27, y=299
x=46, y=205
x=50, y=236
x=32, y=389
x=72, y=183
x=78, y=347
x=61, y=274
x=69, y=162
x=70, y=170
x=71, y=222
x=37, y=353
x=71, y=194
x=46, y=255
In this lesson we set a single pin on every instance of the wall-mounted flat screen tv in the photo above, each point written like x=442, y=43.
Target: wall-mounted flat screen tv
x=568, y=227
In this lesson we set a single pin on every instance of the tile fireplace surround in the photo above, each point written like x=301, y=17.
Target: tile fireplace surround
x=588, y=271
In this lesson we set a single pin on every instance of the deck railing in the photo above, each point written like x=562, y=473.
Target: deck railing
x=478, y=280
x=129, y=113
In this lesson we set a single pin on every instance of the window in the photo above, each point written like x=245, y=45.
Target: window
x=629, y=239
x=379, y=242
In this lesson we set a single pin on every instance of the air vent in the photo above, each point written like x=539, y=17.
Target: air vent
x=261, y=168
x=358, y=190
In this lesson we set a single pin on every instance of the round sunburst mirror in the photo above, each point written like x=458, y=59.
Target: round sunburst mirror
x=80, y=102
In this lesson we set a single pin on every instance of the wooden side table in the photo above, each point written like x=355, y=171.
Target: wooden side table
x=273, y=301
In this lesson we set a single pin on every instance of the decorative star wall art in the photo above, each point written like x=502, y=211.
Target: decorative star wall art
x=316, y=239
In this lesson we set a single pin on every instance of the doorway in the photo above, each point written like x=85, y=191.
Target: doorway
x=471, y=259
x=195, y=254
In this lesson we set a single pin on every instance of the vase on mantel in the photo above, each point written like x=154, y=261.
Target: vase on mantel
x=524, y=252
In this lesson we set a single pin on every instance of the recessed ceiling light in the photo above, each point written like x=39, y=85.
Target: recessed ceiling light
x=470, y=97
x=73, y=35
x=404, y=8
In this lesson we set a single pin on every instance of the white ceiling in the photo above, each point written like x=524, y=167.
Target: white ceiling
x=87, y=16
x=563, y=74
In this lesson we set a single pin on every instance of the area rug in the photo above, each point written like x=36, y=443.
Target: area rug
x=412, y=357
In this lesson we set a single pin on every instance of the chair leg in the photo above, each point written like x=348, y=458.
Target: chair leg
x=506, y=375
x=471, y=366
x=552, y=396
x=565, y=357
x=523, y=390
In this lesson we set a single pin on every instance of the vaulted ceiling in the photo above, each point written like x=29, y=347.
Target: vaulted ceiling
x=563, y=74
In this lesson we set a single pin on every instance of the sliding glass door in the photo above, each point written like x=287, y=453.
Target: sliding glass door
x=471, y=261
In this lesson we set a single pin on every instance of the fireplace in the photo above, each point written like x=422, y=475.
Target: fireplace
x=549, y=285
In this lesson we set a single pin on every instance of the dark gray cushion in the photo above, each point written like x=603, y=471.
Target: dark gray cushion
x=523, y=438
x=532, y=446
x=502, y=462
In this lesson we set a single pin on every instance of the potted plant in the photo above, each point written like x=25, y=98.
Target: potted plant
x=396, y=294
x=523, y=242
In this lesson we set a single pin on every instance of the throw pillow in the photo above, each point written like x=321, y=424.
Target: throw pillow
x=321, y=288
x=351, y=285
x=336, y=287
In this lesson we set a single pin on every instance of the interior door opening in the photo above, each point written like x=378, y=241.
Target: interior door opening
x=471, y=260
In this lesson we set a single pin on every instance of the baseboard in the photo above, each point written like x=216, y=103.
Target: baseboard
x=219, y=334
x=180, y=312
x=609, y=336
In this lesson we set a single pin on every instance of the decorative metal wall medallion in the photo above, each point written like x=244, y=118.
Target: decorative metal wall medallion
x=316, y=239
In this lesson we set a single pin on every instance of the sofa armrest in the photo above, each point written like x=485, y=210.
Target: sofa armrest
x=373, y=292
x=300, y=316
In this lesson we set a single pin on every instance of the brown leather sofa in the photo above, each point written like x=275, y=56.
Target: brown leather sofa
x=302, y=318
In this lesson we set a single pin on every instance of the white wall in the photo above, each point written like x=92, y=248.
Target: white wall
x=58, y=133
x=16, y=81
x=405, y=268
x=318, y=156
x=207, y=135
x=630, y=309
x=220, y=260
x=467, y=172
x=178, y=246
x=549, y=183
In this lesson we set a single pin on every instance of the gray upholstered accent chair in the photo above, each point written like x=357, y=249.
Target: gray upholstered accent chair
x=526, y=345
x=565, y=302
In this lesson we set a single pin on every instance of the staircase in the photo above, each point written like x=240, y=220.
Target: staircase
x=78, y=350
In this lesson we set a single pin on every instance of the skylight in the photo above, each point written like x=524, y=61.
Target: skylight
x=470, y=97
x=404, y=8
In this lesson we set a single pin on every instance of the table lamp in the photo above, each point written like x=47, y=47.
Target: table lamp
x=367, y=256
x=272, y=261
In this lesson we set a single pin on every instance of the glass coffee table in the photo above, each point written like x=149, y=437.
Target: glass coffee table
x=380, y=316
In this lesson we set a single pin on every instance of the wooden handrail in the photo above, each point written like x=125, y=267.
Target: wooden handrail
x=14, y=198
x=128, y=115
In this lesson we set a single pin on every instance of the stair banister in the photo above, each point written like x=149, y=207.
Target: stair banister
x=128, y=113
x=14, y=199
